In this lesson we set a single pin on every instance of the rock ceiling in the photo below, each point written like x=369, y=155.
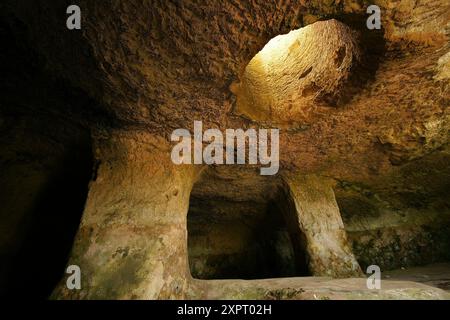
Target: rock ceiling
x=369, y=101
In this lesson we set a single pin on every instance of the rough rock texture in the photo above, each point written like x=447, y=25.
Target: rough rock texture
x=317, y=288
x=161, y=65
x=436, y=275
x=378, y=127
x=296, y=75
x=132, y=239
x=320, y=221
x=391, y=234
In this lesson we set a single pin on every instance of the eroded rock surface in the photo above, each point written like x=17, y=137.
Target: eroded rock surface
x=365, y=110
x=319, y=219
x=132, y=238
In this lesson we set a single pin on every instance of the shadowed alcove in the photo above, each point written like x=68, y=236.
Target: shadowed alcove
x=364, y=154
x=238, y=227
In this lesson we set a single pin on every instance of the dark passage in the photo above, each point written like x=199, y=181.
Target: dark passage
x=44, y=201
x=45, y=168
x=245, y=236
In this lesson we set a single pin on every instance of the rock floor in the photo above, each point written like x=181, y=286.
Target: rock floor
x=435, y=275
x=429, y=282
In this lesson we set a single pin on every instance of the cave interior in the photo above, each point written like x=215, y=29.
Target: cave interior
x=86, y=177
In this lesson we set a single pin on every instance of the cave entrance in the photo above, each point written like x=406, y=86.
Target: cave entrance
x=238, y=227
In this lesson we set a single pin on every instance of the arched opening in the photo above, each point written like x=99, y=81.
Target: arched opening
x=238, y=227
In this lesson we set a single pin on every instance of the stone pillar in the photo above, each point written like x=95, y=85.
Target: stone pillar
x=132, y=241
x=318, y=217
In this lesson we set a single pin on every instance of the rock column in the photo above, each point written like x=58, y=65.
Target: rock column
x=131, y=243
x=319, y=219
